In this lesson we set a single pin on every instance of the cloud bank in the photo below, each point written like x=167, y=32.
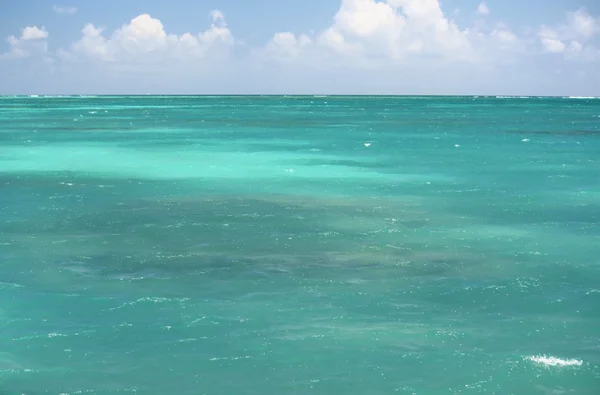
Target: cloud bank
x=385, y=46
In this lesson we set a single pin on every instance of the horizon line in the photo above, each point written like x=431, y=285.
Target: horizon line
x=314, y=95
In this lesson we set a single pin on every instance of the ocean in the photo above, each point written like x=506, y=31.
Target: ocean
x=299, y=245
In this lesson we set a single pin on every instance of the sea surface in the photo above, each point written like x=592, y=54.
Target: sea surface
x=299, y=245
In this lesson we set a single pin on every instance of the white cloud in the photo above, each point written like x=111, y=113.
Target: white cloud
x=34, y=33
x=573, y=37
x=144, y=39
x=364, y=33
x=398, y=30
x=64, y=10
x=288, y=45
x=483, y=9
x=503, y=34
x=583, y=23
x=32, y=41
x=217, y=16
x=553, y=45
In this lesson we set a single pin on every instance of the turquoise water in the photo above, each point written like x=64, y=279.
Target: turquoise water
x=299, y=245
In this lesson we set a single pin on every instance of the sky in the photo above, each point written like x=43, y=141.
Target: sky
x=404, y=47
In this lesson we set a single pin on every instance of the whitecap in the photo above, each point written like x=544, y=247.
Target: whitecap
x=553, y=361
x=54, y=334
x=230, y=358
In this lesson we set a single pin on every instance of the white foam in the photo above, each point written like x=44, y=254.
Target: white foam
x=553, y=361
x=54, y=334
x=230, y=358
x=367, y=144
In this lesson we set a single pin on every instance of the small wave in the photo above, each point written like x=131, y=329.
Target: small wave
x=15, y=285
x=54, y=334
x=553, y=361
x=580, y=97
x=230, y=358
x=150, y=299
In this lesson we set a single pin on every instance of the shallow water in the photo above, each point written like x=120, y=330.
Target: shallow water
x=299, y=245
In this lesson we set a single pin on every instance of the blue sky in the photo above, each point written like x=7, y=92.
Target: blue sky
x=505, y=47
